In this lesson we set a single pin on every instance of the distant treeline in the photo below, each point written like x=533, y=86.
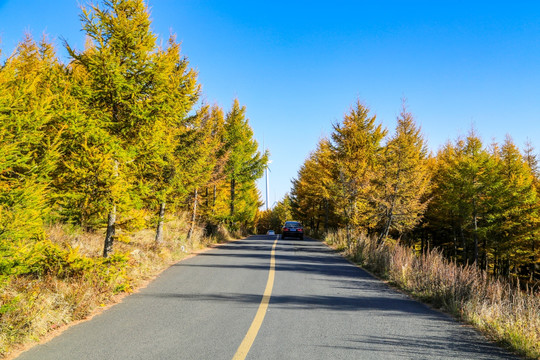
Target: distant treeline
x=113, y=139
x=478, y=204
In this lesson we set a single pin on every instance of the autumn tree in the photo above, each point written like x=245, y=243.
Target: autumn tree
x=121, y=78
x=356, y=145
x=245, y=164
x=161, y=151
x=219, y=159
x=403, y=179
x=281, y=212
x=30, y=83
x=303, y=193
x=533, y=212
x=314, y=188
x=515, y=222
x=465, y=186
x=202, y=156
x=83, y=178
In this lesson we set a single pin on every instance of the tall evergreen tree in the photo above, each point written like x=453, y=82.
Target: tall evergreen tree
x=460, y=195
x=175, y=91
x=83, y=178
x=200, y=156
x=30, y=81
x=356, y=144
x=533, y=213
x=245, y=164
x=314, y=189
x=518, y=198
x=404, y=179
x=121, y=78
x=219, y=159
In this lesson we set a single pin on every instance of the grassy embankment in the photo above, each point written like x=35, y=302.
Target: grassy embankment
x=48, y=284
x=502, y=312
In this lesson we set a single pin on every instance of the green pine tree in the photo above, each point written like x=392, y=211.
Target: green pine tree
x=30, y=81
x=245, y=164
x=404, y=178
x=121, y=76
x=356, y=145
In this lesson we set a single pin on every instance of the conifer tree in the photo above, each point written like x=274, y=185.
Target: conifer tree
x=175, y=91
x=356, y=146
x=473, y=170
x=533, y=211
x=281, y=213
x=201, y=156
x=404, y=180
x=444, y=217
x=29, y=135
x=83, y=178
x=219, y=158
x=303, y=193
x=464, y=183
x=518, y=198
x=314, y=189
x=121, y=72
x=245, y=164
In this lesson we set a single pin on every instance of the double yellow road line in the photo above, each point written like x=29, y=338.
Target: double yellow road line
x=244, y=347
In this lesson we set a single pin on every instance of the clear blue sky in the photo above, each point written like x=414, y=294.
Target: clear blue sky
x=298, y=66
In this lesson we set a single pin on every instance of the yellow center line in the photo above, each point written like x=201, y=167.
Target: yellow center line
x=244, y=347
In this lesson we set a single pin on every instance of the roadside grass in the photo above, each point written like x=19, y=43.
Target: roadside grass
x=501, y=311
x=64, y=278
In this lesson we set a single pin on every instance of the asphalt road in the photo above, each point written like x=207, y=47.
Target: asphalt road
x=321, y=307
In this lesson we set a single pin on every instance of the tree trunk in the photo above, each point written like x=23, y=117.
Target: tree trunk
x=233, y=184
x=349, y=242
x=485, y=264
x=109, y=237
x=111, y=219
x=318, y=222
x=326, y=215
x=159, y=231
x=386, y=229
x=214, y=201
x=455, y=242
x=533, y=264
x=193, y=215
x=465, y=255
x=475, y=220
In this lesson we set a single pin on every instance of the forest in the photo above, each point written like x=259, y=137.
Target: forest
x=116, y=138
x=478, y=204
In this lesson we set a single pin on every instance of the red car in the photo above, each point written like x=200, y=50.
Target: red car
x=292, y=229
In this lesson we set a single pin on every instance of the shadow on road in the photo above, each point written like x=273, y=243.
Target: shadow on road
x=392, y=306
x=458, y=346
x=307, y=256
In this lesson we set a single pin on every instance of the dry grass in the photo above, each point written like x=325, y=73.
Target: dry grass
x=33, y=306
x=500, y=310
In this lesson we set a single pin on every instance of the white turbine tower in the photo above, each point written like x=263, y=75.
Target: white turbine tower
x=267, y=169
